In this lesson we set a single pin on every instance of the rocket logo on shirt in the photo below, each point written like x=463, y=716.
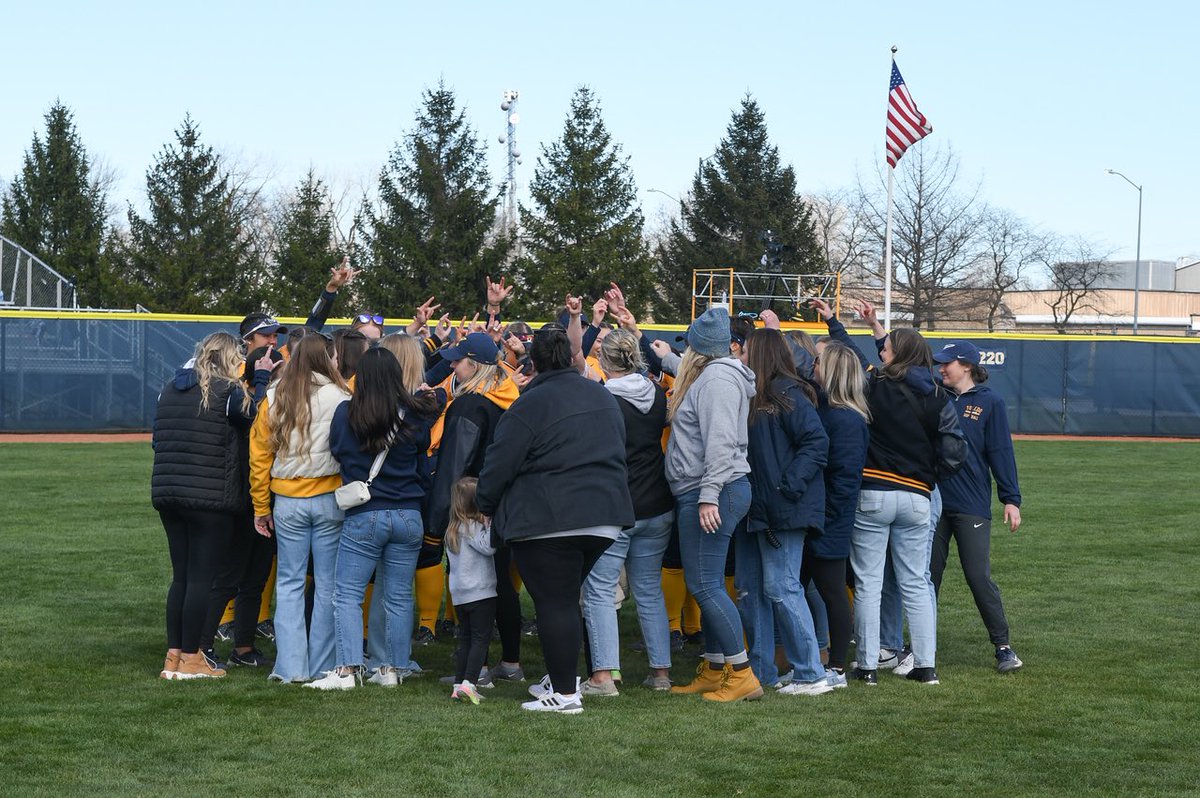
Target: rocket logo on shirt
x=972, y=412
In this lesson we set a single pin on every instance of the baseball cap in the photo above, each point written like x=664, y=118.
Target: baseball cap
x=260, y=323
x=477, y=346
x=957, y=350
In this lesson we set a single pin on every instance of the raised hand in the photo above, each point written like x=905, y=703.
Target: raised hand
x=513, y=344
x=615, y=297
x=625, y=318
x=574, y=305
x=495, y=329
x=497, y=293
x=769, y=319
x=464, y=328
x=442, y=330
x=867, y=311
x=599, y=311
x=661, y=348
x=340, y=275
x=822, y=308
x=425, y=312
x=265, y=363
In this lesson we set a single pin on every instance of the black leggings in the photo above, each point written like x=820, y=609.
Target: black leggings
x=242, y=577
x=554, y=570
x=508, y=607
x=197, y=541
x=830, y=576
x=475, y=621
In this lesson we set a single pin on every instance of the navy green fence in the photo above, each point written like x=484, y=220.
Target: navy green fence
x=91, y=374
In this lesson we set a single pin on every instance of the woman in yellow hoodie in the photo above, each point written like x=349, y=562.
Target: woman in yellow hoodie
x=290, y=459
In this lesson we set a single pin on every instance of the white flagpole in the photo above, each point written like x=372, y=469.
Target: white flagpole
x=887, y=258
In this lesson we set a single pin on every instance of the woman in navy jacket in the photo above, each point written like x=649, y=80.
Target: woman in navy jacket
x=787, y=453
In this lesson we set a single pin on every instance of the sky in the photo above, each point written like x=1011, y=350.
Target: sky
x=1036, y=99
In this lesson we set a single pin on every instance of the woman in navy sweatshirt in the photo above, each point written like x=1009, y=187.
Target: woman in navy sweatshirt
x=967, y=496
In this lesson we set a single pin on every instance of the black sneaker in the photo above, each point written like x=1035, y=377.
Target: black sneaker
x=696, y=639
x=529, y=628
x=676, y=640
x=225, y=632
x=1007, y=660
x=923, y=675
x=868, y=678
x=213, y=662
x=423, y=637
x=266, y=629
x=252, y=658
x=447, y=629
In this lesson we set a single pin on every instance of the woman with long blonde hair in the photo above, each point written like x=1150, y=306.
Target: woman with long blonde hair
x=411, y=354
x=198, y=487
x=290, y=461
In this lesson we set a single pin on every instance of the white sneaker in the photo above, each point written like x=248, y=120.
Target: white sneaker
x=835, y=679
x=905, y=662
x=888, y=659
x=466, y=692
x=332, y=681
x=385, y=676
x=816, y=687
x=785, y=679
x=555, y=702
x=544, y=688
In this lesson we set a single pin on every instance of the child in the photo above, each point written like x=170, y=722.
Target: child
x=472, y=584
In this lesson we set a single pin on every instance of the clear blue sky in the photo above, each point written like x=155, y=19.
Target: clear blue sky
x=1036, y=98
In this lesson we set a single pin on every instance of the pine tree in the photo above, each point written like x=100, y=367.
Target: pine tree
x=303, y=248
x=585, y=227
x=56, y=208
x=192, y=254
x=432, y=230
x=737, y=194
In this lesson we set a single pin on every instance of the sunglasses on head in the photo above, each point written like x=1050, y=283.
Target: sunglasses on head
x=369, y=318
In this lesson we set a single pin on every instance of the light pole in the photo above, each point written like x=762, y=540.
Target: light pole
x=1137, y=266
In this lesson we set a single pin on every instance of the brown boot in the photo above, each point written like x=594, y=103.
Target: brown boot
x=740, y=685
x=195, y=666
x=170, y=669
x=707, y=679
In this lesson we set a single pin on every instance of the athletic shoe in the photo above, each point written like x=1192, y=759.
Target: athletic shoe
x=661, y=683
x=170, y=670
x=225, y=632
x=696, y=639
x=266, y=629
x=555, y=702
x=483, y=674
x=815, y=687
x=545, y=688
x=213, y=662
x=466, y=692
x=332, y=680
x=923, y=675
x=412, y=671
x=385, y=676
x=676, y=640
x=1007, y=660
x=423, y=637
x=603, y=688
x=888, y=659
x=905, y=662
x=529, y=628
x=447, y=628
x=253, y=658
x=836, y=680
x=616, y=676
x=866, y=677
x=507, y=673
x=197, y=666
x=784, y=679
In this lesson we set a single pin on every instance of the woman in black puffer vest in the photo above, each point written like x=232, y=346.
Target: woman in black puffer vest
x=199, y=486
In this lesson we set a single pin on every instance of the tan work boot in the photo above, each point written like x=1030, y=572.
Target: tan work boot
x=741, y=685
x=707, y=679
x=170, y=669
x=195, y=666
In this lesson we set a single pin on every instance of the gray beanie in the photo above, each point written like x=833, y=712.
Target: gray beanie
x=709, y=334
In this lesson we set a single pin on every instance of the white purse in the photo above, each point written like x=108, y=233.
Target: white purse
x=352, y=494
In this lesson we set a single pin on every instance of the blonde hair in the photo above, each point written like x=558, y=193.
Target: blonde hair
x=621, y=352
x=410, y=352
x=844, y=379
x=462, y=511
x=488, y=377
x=291, y=410
x=218, y=358
x=690, y=367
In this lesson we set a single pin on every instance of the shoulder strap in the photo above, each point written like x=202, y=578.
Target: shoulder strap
x=379, y=458
x=912, y=401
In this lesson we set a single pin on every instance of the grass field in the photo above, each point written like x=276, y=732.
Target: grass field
x=1101, y=587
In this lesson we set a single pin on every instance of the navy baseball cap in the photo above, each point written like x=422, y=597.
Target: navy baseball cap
x=965, y=351
x=260, y=323
x=477, y=346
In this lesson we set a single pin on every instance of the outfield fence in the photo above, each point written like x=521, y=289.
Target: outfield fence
x=94, y=371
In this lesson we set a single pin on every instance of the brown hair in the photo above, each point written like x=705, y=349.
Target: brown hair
x=462, y=511
x=349, y=346
x=909, y=350
x=291, y=409
x=768, y=356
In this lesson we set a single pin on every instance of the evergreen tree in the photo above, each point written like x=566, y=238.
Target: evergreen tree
x=192, y=254
x=585, y=227
x=431, y=231
x=303, y=248
x=56, y=209
x=738, y=193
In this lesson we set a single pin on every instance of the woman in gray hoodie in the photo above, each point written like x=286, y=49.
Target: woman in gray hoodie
x=707, y=468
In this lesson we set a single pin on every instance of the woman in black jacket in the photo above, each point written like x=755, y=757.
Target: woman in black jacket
x=199, y=486
x=555, y=483
x=787, y=452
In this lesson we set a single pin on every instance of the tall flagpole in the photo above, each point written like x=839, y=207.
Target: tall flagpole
x=887, y=244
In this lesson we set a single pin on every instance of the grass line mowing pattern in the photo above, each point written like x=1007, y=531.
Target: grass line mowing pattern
x=1100, y=586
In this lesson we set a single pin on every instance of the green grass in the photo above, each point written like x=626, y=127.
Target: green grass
x=1100, y=585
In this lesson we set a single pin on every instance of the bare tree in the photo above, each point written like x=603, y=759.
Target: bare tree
x=1009, y=249
x=841, y=234
x=935, y=231
x=1077, y=268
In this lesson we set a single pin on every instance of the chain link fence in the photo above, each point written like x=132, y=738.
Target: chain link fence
x=26, y=282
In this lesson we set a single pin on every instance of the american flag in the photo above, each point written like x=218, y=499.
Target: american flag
x=905, y=124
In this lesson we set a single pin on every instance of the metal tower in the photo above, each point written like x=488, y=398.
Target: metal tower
x=509, y=137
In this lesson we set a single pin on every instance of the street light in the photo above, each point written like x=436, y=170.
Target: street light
x=1137, y=266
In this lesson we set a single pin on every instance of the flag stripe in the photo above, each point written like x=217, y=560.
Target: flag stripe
x=905, y=124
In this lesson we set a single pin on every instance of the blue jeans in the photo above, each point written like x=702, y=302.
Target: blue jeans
x=771, y=599
x=895, y=523
x=891, y=613
x=640, y=549
x=303, y=526
x=379, y=650
x=703, y=554
x=391, y=539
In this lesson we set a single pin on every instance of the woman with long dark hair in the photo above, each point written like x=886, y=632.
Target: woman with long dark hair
x=379, y=437
x=787, y=452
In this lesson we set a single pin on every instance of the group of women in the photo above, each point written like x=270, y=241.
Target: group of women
x=563, y=460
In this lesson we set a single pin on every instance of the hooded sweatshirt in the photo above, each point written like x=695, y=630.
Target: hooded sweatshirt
x=644, y=409
x=708, y=442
